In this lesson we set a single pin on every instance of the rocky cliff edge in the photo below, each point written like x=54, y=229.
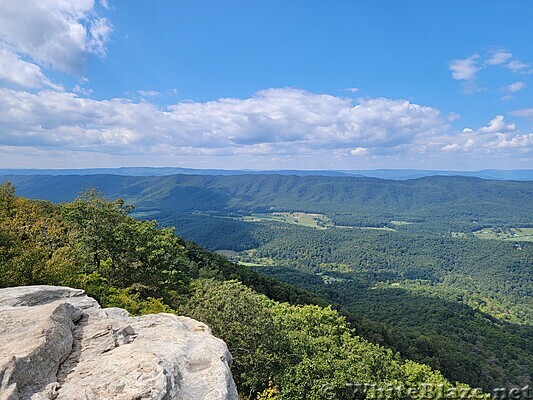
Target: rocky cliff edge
x=58, y=343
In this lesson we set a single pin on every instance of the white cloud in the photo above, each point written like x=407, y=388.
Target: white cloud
x=452, y=147
x=517, y=141
x=453, y=116
x=352, y=89
x=149, y=93
x=516, y=66
x=81, y=90
x=525, y=112
x=499, y=57
x=359, y=151
x=100, y=30
x=283, y=124
x=513, y=87
x=495, y=138
x=505, y=59
x=275, y=127
x=19, y=72
x=273, y=121
x=469, y=144
x=459, y=147
x=465, y=69
x=56, y=34
x=498, y=125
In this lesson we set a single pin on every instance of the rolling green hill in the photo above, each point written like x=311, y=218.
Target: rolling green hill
x=347, y=200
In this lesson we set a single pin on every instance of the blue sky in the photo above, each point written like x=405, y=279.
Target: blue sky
x=266, y=85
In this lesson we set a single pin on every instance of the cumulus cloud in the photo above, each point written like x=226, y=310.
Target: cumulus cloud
x=498, y=136
x=14, y=70
x=518, y=141
x=456, y=147
x=498, y=125
x=359, y=151
x=57, y=34
x=280, y=121
x=452, y=147
x=284, y=124
x=315, y=120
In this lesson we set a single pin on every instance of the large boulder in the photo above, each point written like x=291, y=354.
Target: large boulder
x=58, y=343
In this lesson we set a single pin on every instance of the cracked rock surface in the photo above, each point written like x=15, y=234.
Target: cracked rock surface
x=58, y=343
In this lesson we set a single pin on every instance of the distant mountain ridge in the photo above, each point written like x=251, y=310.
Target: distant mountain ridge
x=404, y=174
x=165, y=171
x=394, y=174
x=443, y=198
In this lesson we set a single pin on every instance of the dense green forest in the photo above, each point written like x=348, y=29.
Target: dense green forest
x=286, y=345
x=461, y=305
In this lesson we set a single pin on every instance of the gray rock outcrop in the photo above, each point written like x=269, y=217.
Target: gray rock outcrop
x=58, y=343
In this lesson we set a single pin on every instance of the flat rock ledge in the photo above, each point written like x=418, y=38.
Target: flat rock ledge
x=58, y=343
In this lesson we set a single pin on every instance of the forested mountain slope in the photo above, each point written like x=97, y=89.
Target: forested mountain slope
x=347, y=200
x=460, y=304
